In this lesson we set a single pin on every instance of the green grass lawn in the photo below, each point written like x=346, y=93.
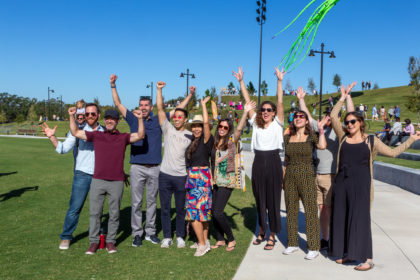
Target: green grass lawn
x=35, y=185
x=398, y=161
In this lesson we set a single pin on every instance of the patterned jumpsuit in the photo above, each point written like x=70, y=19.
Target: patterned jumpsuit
x=299, y=182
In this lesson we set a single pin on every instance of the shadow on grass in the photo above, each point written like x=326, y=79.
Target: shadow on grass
x=7, y=173
x=16, y=193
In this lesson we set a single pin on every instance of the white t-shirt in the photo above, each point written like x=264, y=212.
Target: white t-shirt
x=269, y=138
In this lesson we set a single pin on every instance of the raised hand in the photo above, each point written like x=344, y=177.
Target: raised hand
x=137, y=114
x=113, y=78
x=321, y=124
x=160, y=85
x=240, y=75
x=192, y=89
x=249, y=106
x=280, y=74
x=47, y=131
x=300, y=93
x=205, y=100
x=72, y=111
x=350, y=87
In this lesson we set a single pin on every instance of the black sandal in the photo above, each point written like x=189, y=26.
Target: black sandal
x=259, y=240
x=270, y=244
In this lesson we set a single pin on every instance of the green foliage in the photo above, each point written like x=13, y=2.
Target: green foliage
x=376, y=86
x=337, y=81
x=20, y=118
x=264, y=88
x=3, y=117
x=32, y=115
x=311, y=85
x=413, y=101
x=251, y=89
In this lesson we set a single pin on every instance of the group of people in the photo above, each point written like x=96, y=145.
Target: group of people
x=366, y=85
x=200, y=170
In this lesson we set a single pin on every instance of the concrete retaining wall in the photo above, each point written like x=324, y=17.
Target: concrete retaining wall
x=403, y=177
x=410, y=156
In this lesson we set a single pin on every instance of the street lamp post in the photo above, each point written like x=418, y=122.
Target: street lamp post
x=49, y=107
x=188, y=75
x=151, y=92
x=322, y=52
x=61, y=107
x=261, y=20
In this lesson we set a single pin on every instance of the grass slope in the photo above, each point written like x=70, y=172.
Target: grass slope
x=35, y=185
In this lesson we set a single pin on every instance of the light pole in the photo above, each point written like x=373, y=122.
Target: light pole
x=322, y=52
x=261, y=20
x=61, y=107
x=49, y=107
x=151, y=92
x=188, y=75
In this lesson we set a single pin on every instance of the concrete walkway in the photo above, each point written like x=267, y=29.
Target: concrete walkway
x=396, y=244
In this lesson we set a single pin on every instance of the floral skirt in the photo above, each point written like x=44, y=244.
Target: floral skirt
x=198, y=198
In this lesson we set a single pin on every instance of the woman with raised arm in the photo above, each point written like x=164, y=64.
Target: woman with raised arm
x=351, y=237
x=224, y=176
x=198, y=186
x=267, y=174
x=299, y=180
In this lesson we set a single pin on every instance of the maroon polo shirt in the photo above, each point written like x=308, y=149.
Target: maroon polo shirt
x=109, y=154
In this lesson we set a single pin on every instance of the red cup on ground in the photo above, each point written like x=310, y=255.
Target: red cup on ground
x=102, y=241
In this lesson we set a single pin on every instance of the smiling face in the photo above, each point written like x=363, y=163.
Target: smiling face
x=91, y=115
x=352, y=124
x=300, y=120
x=223, y=128
x=111, y=124
x=145, y=106
x=267, y=113
x=179, y=119
x=197, y=130
x=80, y=119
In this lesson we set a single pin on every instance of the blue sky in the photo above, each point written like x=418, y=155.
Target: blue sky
x=73, y=46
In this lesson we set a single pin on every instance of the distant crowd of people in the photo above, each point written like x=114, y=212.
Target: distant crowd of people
x=366, y=85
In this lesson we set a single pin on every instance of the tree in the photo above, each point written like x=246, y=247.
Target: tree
x=32, y=115
x=288, y=86
x=375, y=86
x=311, y=85
x=413, y=101
x=337, y=81
x=231, y=88
x=251, y=89
x=3, y=117
x=264, y=89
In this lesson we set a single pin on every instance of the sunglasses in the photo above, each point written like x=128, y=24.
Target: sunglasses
x=93, y=114
x=353, y=121
x=175, y=117
x=266, y=109
x=224, y=127
x=299, y=117
x=80, y=119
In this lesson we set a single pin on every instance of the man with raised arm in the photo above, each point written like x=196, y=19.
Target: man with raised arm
x=108, y=177
x=145, y=159
x=326, y=167
x=173, y=171
x=84, y=158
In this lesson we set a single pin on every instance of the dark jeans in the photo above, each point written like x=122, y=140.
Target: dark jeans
x=169, y=185
x=221, y=196
x=79, y=192
x=402, y=135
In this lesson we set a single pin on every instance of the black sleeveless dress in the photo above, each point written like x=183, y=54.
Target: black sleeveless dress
x=350, y=218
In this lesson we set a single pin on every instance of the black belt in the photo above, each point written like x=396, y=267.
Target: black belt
x=149, y=165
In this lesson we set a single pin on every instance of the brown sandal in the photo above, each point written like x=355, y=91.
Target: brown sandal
x=360, y=267
x=343, y=261
x=259, y=240
x=270, y=245
x=230, y=248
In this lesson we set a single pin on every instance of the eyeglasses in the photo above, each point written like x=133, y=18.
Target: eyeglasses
x=224, y=127
x=299, y=117
x=175, y=117
x=353, y=121
x=93, y=114
x=266, y=109
x=80, y=119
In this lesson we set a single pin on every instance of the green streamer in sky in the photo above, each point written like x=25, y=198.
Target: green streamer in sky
x=308, y=32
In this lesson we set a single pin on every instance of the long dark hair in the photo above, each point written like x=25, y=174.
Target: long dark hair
x=292, y=127
x=259, y=119
x=225, y=139
x=194, y=144
x=359, y=118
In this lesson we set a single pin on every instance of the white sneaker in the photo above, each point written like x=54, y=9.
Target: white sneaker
x=180, y=243
x=64, y=244
x=208, y=248
x=166, y=242
x=311, y=255
x=201, y=251
x=195, y=245
x=289, y=250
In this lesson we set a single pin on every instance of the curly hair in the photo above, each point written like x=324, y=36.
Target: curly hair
x=292, y=127
x=259, y=119
x=359, y=118
x=225, y=139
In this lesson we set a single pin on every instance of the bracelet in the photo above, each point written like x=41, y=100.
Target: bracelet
x=113, y=87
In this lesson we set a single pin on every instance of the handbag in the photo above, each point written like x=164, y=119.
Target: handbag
x=240, y=168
